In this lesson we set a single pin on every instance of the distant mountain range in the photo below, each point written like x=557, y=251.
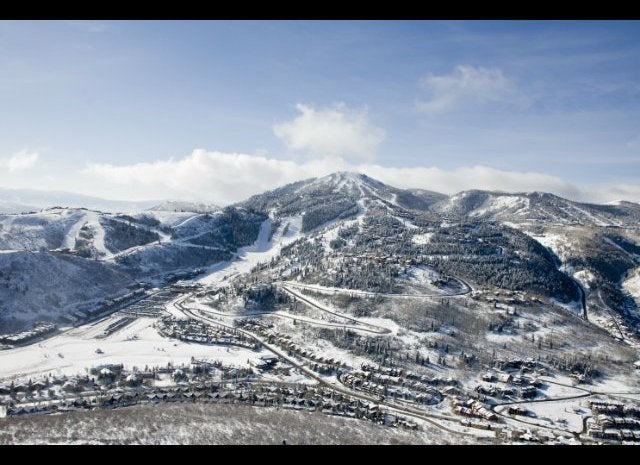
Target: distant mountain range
x=26, y=200
x=23, y=200
x=550, y=247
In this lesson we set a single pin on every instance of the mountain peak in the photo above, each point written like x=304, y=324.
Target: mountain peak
x=343, y=176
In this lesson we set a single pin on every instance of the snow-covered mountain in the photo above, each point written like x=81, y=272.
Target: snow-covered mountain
x=535, y=207
x=21, y=200
x=15, y=207
x=337, y=196
x=407, y=298
x=531, y=242
x=181, y=206
x=89, y=254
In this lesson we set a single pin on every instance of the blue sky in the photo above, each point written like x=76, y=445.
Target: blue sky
x=218, y=110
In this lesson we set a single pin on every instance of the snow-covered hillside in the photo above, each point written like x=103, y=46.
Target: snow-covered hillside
x=363, y=234
x=181, y=206
x=35, y=285
x=535, y=207
x=49, y=229
x=86, y=232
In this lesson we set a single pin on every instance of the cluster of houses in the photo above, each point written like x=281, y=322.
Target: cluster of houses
x=396, y=387
x=106, y=381
x=615, y=421
x=398, y=382
x=151, y=306
x=117, y=325
x=192, y=330
x=107, y=306
x=182, y=275
x=319, y=363
x=473, y=408
x=522, y=387
x=504, y=299
x=527, y=365
x=377, y=258
x=40, y=329
x=409, y=375
x=112, y=386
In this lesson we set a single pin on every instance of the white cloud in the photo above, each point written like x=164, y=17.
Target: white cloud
x=333, y=131
x=210, y=176
x=225, y=178
x=19, y=161
x=612, y=192
x=474, y=177
x=468, y=84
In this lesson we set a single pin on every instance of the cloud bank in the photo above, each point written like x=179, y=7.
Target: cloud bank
x=225, y=178
x=335, y=131
x=19, y=161
x=467, y=85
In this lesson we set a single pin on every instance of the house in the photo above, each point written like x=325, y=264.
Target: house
x=264, y=362
x=134, y=379
x=178, y=374
x=516, y=410
x=39, y=385
x=106, y=374
x=611, y=433
x=70, y=386
x=488, y=377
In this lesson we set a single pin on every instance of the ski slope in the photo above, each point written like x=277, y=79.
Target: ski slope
x=260, y=251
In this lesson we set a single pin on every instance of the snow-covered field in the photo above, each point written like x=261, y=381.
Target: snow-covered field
x=138, y=344
x=585, y=277
x=566, y=415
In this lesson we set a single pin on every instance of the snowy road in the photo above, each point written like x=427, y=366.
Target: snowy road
x=335, y=290
x=314, y=303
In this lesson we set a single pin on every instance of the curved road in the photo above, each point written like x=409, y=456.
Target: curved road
x=313, y=303
x=334, y=290
x=585, y=393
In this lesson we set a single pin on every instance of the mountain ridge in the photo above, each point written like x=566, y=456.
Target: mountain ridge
x=526, y=242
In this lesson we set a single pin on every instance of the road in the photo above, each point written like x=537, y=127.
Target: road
x=606, y=308
x=585, y=393
x=319, y=306
x=335, y=290
x=305, y=319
